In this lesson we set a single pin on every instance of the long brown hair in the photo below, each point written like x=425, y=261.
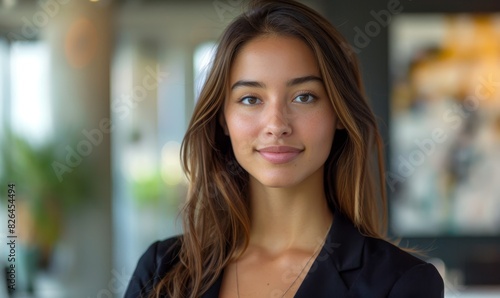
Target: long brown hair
x=216, y=215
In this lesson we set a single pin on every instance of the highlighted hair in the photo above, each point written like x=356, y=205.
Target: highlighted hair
x=216, y=215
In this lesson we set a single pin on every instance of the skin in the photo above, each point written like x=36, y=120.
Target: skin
x=276, y=98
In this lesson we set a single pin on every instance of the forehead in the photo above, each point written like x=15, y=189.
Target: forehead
x=274, y=58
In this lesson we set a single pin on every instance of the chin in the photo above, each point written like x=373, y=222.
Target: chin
x=277, y=182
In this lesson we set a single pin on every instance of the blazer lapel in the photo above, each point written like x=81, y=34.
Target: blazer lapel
x=342, y=251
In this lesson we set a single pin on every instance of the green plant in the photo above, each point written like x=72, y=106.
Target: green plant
x=47, y=199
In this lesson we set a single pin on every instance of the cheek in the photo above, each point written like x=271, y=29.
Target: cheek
x=322, y=126
x=320, y=133
x=241, y=129
x=239, y=125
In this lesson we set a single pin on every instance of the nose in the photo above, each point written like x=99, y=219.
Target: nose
x=278, y=121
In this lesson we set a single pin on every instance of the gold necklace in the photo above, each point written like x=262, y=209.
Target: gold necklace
x=300, y=273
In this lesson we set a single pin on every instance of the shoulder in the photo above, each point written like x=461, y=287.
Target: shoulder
x=372, y=267
x=403, y=274
x=155, y=262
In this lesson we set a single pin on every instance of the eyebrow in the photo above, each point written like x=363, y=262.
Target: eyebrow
x=292, y=82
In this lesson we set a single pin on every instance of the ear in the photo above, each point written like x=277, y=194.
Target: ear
x=222, y=122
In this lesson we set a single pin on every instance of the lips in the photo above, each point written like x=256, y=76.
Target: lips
x=279, y=154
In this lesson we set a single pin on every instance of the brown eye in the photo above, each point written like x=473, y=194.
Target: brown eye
x=305, y=98
x=250, y=100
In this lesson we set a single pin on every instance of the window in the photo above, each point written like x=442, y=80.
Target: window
x=30, y=109
x=203, y=56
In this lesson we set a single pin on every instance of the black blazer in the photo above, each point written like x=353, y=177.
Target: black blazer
x=348, y=265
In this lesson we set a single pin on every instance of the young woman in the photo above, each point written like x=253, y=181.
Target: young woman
x=282, y=199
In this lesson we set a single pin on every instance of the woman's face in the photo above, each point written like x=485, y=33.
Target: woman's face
x=277, y=114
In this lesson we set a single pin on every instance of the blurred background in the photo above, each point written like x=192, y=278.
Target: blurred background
x=95, y=97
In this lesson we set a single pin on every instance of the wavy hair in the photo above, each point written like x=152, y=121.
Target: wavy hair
x=216, y=215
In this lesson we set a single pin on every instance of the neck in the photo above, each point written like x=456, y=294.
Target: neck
x=292, y=217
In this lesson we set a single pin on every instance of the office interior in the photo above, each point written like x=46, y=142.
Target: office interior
x=96, y=96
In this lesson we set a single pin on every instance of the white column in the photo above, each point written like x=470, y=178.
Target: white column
x=80, y=38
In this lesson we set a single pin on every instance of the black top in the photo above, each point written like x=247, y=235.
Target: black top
x=348, y=265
